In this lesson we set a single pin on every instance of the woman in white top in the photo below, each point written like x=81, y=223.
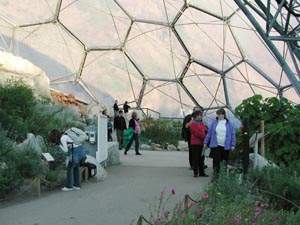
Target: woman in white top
x=221, y=139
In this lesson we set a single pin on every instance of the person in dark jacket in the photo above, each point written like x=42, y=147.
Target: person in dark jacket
x=135, y=125
x=116, y=108
x=120, y=126
x=109, y=126
x=198, y=131
x=186, y=134
x=126, y=107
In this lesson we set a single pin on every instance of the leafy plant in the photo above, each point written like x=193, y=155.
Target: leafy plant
x=282, y=125
x=280, y=186
x=161, y=132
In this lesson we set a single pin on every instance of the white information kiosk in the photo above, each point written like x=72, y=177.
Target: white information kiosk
x=102, y=144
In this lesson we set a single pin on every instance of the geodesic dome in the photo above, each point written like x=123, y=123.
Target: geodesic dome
x=162, y=55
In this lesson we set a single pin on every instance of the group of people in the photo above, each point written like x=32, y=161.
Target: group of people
x=116, y=108
x=219, y=137
x=120, y=127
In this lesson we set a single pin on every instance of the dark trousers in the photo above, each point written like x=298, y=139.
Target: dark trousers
x=109, y=135
x=120, y=138
x=197, y=159
x=190, y=153
x=219, y=155
x=72, y=175
x=135, y=138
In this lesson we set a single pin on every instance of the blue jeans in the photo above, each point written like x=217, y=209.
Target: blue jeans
x=72, y=175
x=73, y=166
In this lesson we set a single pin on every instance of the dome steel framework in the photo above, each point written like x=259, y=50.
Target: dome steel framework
x=188, y=71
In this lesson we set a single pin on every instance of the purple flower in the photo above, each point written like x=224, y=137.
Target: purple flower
x=173, y=191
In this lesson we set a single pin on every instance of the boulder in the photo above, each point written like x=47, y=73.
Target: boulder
x=156, y=147
x=33, y=142
x=145, y=147
x=183, y=146
x=171, y=148
x=113, y=154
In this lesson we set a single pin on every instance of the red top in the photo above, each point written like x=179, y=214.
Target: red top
x=198, y=132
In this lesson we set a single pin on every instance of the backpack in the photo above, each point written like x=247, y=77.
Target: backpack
x=77, y=135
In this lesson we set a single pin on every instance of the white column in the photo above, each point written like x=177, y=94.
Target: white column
x=102, y=145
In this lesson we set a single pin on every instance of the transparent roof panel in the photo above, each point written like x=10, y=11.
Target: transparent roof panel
x=156, y=50
x=102, y=24
x=245, y=35
x=155, y=10
x=221, y=8
x=205, y=85
x=168, y=98
x=291, y=94
x=21, y=12
x=199, y=30
x=51, y=48
x=6, y=32
x=113, y=74
x=244, y=81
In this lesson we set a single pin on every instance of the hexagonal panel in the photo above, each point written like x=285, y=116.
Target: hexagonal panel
x=6, y=33
x=156, y=50
x=292, y=95
x=205, y=85
x=155, y=10
x=256, y=52
x=222, y=8
x=97, y=23
x=50, y=48
x=208, y=39
x=168, y=98
x=111, y=72
x=22, y=12
x=243, y=82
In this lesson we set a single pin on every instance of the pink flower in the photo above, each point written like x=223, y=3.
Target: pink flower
x=157, y=222
x=204, y=196
x=237, y=220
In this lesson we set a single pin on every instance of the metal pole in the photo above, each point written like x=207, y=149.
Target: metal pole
x=292, y=78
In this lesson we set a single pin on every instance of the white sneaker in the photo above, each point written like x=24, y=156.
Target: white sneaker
x=67, y=189
x=76, y=188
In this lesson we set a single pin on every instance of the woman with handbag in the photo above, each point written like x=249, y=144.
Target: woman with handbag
x=221, y=138
x=134, y=124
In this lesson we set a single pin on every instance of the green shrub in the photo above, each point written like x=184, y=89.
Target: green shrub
x=228, y=201
x=58, y=155
x=277, y=185
x=282, y=125
x=29, y=163
x=161, y=132
x=16, y=105
x=48, y=116
x=10, y=178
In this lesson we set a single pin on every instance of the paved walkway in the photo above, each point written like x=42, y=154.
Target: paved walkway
x=127, y=192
